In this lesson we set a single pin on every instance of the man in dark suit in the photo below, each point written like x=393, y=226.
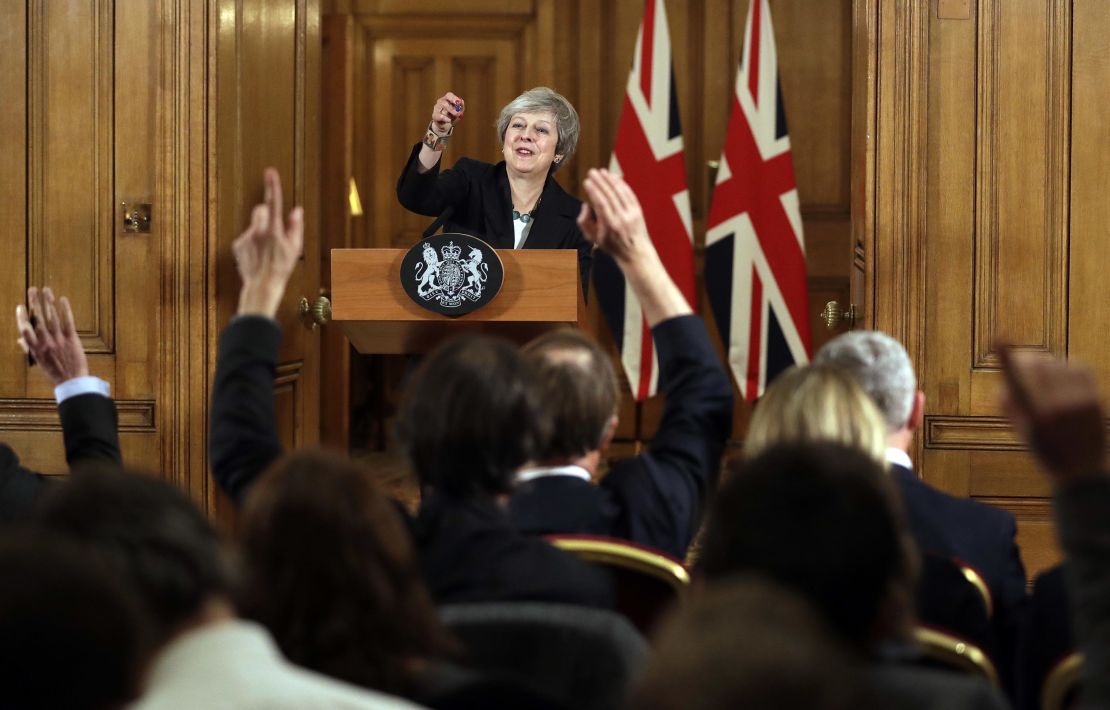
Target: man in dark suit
x=470, y=418
x=655, y=498
x=49, y=337
x=978, y=535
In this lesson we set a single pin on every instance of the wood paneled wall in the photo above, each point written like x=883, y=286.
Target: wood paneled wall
x=99, y=110
x=987, y=219
x=404, y=55
x=176, y=103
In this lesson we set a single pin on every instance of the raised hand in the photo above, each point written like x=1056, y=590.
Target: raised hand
x=617, y=224
x=52, y=339
x=267, y=251
x=1055, y=407
x=448, y=109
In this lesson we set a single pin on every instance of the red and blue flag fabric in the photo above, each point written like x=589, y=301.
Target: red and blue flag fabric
x=755, y=264
x=648, y=154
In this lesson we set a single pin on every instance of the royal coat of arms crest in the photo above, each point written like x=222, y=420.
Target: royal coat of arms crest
x=455, y=278
x=448, y=277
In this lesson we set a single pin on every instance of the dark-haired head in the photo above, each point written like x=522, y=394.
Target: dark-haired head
x=151, y=535
x=471, y=417
x=745, y=642
x=329, y=568
x=71, y=633
x=823, y=520
x=579, y=391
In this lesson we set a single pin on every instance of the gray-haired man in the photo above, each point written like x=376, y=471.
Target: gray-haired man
x=978, y=535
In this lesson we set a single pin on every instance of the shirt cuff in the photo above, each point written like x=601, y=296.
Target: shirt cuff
x=81, y=385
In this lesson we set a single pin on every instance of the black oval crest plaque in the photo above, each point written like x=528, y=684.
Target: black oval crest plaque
x=452, y=274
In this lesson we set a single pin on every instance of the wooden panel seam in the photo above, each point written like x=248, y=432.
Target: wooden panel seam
x=41, y=414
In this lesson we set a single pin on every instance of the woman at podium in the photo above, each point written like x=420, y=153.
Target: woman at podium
x=515, y=204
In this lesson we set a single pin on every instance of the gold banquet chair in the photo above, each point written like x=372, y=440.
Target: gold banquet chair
x=947, y=651
x=647, y=581
x=1061, y=686
x=972, y=575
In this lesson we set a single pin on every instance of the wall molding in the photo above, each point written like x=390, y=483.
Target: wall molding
x=41, y=414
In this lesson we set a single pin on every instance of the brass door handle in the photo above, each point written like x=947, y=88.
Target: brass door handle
x=314, y=314
x=833, y=314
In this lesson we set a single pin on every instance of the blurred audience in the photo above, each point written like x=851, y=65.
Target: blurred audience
x=151, y=536
x=748, y=643
x=822, y=404
x=71, y=631
x=821, y=519
x=979, y=535
x=330, y=570
x=654, y=498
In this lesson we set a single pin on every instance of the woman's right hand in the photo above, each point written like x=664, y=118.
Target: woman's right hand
x=448, y=109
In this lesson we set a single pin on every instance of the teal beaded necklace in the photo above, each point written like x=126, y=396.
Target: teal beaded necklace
x=526, y=217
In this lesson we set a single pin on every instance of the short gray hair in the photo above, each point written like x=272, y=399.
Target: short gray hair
x=546, y=99
x=881, y=366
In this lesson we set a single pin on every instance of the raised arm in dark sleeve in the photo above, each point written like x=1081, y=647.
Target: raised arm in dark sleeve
x=663, y=488
x=429, y=193
x=243, y=439
x=90, y=429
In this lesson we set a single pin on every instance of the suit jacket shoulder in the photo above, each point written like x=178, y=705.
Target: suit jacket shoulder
x=91, y=436
x=19, y=487
x=653, y=499
x=470, y=552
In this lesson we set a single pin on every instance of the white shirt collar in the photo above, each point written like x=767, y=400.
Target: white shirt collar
x=899, y=458
x=532, y=474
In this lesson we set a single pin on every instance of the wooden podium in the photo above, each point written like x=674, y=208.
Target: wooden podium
x=542, y=289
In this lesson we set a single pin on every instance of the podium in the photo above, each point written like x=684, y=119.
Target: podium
x=542, y=290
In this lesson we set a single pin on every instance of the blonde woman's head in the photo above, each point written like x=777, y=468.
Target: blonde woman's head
x=814, y=404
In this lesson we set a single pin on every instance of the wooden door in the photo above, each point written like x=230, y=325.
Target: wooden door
x=93, y=117
x=267, y=113
x=988, y=218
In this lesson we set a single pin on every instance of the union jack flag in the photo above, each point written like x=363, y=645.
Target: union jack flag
x=755, y=264
x=648, y=153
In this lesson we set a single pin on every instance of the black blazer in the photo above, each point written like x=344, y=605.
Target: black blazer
x=91, y=436
x=655, y=498
x=470, y=552
x=469, y=549
x=981, y=536
x=483, y=206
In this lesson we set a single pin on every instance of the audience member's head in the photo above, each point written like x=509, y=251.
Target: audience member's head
x=579, y=391
x=471, y=416
x=747, y=643
x=329, y=568
x=71, y=632
x=823, y=520
x=150, y=535
x=881, y=366
x=814, y=404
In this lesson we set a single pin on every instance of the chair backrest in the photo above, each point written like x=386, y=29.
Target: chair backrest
x=949, y=651
x=947, y=600
x=647, y=581
x=1046, y=639
x=585, y=657
x=972, y=575
x=1061, y=686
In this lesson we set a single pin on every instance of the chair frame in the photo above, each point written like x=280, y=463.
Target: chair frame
x=954, y=652
x=1064, y=676
x=621, y=553
x=972, y=575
